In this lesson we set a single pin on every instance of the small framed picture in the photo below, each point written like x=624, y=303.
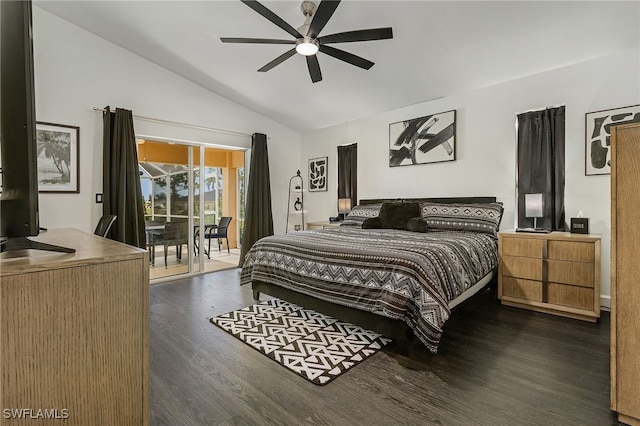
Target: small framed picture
x=598, y=136
x=58, y=157
x=318, y=174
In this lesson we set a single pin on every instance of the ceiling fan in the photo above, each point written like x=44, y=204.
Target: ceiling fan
x=307, y=40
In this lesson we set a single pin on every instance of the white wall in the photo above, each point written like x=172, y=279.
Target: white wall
x=76, y=71
x=485, y=144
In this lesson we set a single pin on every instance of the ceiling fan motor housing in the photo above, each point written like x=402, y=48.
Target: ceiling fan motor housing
x=308, y=8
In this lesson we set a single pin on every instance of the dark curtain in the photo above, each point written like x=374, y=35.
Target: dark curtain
x=258, y=220
x=348, y=172
x=541, y=166
x=121, y=179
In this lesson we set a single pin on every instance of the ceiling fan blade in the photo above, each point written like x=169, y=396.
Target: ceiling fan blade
x=359, y=35
x=321, y=17
x=314, y=68
x=277, y=61
x=347, y=57
x=255, y=40
x=262, y=10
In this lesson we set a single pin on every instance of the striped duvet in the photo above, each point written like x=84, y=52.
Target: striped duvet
x=399, y=274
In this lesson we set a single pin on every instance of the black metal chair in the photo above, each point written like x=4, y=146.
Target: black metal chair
x=218, y=231
x=154, y=230
x=175, y=233
x=104, y=225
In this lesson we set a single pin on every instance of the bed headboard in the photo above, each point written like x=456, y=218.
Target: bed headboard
x=443, y=200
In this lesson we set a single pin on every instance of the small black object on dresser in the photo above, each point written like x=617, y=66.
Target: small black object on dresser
x=579, y=225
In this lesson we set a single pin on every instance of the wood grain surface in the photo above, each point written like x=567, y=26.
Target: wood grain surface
x=75, y=333
x=496, y=366
x=570, y=250
x=625, y=271
x=566, y=266
x=522, y=267
x=522, y=289
x=567, y=272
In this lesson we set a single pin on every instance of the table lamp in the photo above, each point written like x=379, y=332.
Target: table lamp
x=533, y=207
x=344, y=207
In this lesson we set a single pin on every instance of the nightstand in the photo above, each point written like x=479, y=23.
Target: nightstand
x=556, y=273
x=323, y=225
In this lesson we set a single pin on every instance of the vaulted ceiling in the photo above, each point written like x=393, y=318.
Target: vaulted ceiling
x=439, y=48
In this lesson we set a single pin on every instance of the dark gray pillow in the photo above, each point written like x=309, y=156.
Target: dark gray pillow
x=372, y=223
x=417, y=224
x=396, y=215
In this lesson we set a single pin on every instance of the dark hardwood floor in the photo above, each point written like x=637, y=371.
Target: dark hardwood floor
x=496, y=366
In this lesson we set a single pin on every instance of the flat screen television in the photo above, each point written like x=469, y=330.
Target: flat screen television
x=19, y=217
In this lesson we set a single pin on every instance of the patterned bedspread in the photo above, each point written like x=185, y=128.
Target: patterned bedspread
x=399, y=274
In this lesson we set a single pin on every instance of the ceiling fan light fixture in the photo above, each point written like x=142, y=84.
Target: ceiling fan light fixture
x=307, y=47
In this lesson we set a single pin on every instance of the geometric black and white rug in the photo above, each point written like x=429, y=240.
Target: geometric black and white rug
x=316, y=346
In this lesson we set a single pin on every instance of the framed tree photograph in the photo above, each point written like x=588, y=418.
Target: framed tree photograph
x=428, y=139
x=318, y=174
x=58, y=148
x=597, y=136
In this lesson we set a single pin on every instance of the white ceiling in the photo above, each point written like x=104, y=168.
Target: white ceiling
x=439, y=48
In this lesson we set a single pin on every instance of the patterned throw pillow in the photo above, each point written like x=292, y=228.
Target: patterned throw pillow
x=463, y=217
x=360, y=213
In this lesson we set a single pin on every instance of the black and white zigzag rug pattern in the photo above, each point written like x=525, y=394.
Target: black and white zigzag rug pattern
x=316, y=346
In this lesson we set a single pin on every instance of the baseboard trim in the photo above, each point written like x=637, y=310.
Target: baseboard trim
x=605, y=303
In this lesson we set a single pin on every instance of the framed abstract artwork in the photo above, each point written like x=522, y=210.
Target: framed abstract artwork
x=58, y=157
x=318, y=174
x=428, y=139
x=597, y=136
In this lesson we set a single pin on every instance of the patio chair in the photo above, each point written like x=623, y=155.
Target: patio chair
x=154, y=230
x=218, y=231
x=175, y=233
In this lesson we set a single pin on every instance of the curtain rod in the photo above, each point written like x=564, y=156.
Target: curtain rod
x=177, y=123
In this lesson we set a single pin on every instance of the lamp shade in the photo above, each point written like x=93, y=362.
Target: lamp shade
x=344, y=205
x=533, y=205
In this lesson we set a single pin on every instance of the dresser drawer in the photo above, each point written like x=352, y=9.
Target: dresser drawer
x=522, y=267
x=522, y=289
x=571, y=250
x=576, y=273
x=572, y=296
x=526, y=247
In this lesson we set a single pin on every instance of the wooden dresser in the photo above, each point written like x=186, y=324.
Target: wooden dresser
x=74, y=341
x=625, y=272
x=556, y=273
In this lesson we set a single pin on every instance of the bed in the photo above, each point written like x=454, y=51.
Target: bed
x=399, y=283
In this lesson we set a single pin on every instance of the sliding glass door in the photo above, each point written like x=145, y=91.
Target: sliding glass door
x=192, y=189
